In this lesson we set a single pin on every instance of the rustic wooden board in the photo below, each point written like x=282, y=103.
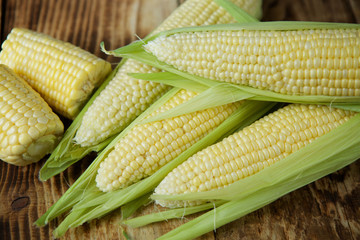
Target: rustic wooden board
x=326, y=209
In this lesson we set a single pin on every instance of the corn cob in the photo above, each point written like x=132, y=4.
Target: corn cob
x=63, y=74
x=29, y=128
x=136, y=95
x=247, y=152
x=149, y=146
x=293, y=62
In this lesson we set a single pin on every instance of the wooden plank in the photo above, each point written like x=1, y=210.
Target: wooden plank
x=354, y=9
x=326, y=209
x=2, y=11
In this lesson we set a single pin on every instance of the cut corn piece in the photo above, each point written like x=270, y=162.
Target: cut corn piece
x=293, y=62
x=247, y=152
x=125, y=97
x=149, y=146
x=62, y=73
x=29, y=129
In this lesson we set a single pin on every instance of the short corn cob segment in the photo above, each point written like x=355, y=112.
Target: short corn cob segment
x=294, y=62
x=136, y=95
x=62, y=73
x=150, y=146
x=28, y=128
x=247, y=152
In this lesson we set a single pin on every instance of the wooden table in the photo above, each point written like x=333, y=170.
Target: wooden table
x=326, y=209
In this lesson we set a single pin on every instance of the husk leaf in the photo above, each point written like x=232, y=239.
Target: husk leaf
x=131, y=207
x=170, y=214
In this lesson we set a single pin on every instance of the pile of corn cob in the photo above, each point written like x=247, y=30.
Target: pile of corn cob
x=39, y=71
x=182, y=143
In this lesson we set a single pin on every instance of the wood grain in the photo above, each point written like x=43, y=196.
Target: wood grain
x=326, y=209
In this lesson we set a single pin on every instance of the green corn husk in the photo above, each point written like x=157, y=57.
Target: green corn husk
x=136, y=51
x=339, y=148
x=170, y=214
x=68, y=153
x=88, y=208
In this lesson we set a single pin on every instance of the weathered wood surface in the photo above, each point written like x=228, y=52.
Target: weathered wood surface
x=326, y=209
